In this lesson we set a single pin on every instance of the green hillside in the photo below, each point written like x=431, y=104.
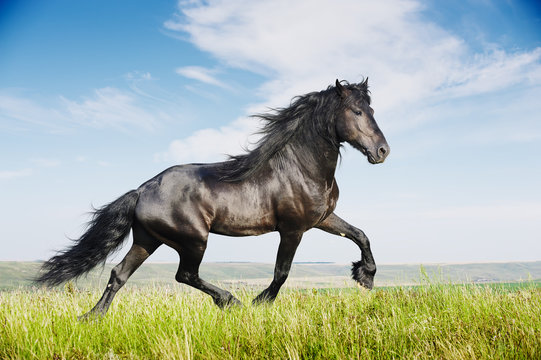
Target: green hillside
x=19, y=274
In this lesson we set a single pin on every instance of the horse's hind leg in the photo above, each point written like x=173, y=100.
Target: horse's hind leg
x=286, y=251
x=362, y=271
x=141, y=249
x=188, y=273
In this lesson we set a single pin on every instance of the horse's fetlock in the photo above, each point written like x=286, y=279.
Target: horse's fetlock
x=370, y=269
x=281, y=279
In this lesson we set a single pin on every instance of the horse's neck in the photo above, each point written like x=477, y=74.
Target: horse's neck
x=317, y=163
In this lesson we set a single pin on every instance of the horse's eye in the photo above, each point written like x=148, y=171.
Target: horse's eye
x=358, y=113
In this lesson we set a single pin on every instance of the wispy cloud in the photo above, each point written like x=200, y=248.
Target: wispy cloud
x=109, y=107
x=138, y=76
x=46, y=162
x=37, y=162
x=21, y=113
x=302, y=46
x=104, y=108
x=308, y=43
x=202, y=74
x=492, y=72
x=104, y=163
x=14, y=174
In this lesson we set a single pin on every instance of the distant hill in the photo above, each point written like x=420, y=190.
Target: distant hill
x=305, y=275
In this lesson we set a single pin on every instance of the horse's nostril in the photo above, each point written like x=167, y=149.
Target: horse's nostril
x=383, y=150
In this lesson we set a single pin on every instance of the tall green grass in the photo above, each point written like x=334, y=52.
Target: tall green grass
x=425, y=322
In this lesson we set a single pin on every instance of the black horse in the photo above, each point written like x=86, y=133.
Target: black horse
x=285, y=184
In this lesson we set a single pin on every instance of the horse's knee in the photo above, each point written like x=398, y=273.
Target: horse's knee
x=361, y=239
x=186, y=277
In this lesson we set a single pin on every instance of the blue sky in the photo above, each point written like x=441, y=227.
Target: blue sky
x=97, y=97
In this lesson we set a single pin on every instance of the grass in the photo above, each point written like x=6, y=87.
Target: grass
x=423, y=322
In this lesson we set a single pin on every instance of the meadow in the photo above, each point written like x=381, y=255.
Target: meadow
x=429, y=321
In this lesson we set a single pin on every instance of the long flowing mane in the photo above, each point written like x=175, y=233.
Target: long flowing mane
x=308, y=120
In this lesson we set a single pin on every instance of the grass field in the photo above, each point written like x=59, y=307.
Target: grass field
x=422, y=322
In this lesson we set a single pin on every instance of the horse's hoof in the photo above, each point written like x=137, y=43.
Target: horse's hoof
x=228, y=302
x=363, y=275
x=235, y=302
x=261, y=301
x=89, y=316
x=263, y=298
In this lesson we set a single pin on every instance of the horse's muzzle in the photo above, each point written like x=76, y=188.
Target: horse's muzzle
x=380, y=155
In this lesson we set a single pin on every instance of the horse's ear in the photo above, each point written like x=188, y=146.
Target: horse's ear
x=340, y=89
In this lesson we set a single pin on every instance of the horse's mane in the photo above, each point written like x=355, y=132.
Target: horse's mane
x=308, y=120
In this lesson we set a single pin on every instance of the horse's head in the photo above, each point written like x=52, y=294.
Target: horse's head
x=356, y=125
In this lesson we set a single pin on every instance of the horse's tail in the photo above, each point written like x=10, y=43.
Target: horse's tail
x=107, y=229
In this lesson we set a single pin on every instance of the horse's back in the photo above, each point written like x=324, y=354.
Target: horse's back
x=171, y=200
x=191, y=201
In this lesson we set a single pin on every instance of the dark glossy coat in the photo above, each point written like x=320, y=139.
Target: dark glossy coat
x=285, y=184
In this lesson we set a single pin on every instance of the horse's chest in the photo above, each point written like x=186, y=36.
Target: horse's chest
x=306, y=206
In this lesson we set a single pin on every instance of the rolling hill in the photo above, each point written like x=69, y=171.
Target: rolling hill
x=304, y=275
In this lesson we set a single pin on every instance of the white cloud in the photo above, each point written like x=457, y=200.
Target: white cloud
x=46, y=162
x=138, y=76
x=210, y=144
x=14, y=174
x=201, y=74
x=305, y=44
x=302, y=46
x=495, y=71
x=20, y=113
x=109, y=107
x=104, y=163
x=104, y=108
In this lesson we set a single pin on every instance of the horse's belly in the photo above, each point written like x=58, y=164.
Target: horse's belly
x=242, y=226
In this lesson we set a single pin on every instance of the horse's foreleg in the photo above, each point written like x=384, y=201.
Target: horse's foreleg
x=188, y=273
x=362, y=271
x=286, y=251
x=142, y=248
